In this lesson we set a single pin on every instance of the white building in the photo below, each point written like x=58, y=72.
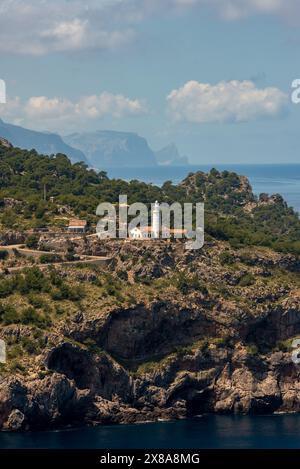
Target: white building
x=77, y=226
x=156, y=230
x=2, y=351
x=156, y=220
x=143, y=232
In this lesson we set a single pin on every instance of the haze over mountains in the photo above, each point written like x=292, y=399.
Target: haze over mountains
x=169, y=155
x=99, y=149
x=43, y=142
x=109, y=148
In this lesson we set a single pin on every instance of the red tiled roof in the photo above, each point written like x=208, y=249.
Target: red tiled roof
x=149, y=229
x=75, y=222
x=178, y=231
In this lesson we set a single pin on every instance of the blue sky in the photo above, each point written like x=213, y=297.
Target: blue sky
x=213, y=77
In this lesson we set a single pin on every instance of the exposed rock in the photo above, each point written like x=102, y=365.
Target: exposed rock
x=107, y=148
x=5, y=143
x=11, y=237
x=15, y=420
x=212, y=345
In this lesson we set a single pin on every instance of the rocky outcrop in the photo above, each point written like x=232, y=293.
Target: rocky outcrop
x=107, y=148
x=199, y=336
x=5, y=143
x=11, y=237
x=219, y=380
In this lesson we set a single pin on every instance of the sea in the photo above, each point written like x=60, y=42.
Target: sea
x=208, y=431
x=281, y=179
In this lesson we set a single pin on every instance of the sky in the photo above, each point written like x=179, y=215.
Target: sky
x=212, y=76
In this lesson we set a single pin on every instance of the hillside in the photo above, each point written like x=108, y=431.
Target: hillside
x=100, y=149
x=157, y=332
x=232, y=213
x=160, y=334
x=42, y=142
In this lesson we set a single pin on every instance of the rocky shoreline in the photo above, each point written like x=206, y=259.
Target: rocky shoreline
x=159, y=332
x=170, y=357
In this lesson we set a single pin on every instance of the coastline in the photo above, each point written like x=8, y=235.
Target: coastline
x=208, y=432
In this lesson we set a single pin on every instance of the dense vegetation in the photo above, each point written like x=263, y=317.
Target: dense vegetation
x=25, y=175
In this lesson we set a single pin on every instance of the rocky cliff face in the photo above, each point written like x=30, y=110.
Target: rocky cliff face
x=107, y=148
x=170, y=156
x=192, y=332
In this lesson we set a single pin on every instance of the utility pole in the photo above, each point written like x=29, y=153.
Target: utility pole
x=45, y=192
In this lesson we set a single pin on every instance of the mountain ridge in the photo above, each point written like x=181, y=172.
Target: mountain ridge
x=42, y=142
x=99, y=149
x=110, y=148
x=169, y=156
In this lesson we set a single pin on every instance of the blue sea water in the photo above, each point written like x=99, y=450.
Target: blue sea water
x=208, y=432
x=283, y=179
x=275, y=431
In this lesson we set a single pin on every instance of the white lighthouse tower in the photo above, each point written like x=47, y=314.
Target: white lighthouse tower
x=2, y=352
x=156, y=220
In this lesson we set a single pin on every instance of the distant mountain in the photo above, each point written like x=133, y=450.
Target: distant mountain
x=99, y=149
x=107, y=148
x=42, y=142
x=169, y=156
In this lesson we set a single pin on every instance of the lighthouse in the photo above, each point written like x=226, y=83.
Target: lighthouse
x=156, y=220
x=2, y=351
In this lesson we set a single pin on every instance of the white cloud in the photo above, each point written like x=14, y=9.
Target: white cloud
x=236, y=9
x=38, y=27
x=233, y=101
x=53, y=114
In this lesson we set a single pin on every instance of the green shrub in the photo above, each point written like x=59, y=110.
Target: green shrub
x=29, y=345
x=183, y=284
x=3, y=254
x=32, y=241
x=17, y=366
x=111, y=290
x=67, y=292
x=247, y=280
x=186, y=284
x=123, y=275
x=50, y=258
x=29, y=316
x=8, y=315
x=36, y=301
x=226, y=258
x=247, y=259
x=70, y=254
x=33, y=279
x=6, y=288
x=17, y=253
x=32, y=317
x=55, y=278
x=252, y=349
x=9, y=218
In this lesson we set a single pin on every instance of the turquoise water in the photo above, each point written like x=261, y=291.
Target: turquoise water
x=210, y=432
x=280, y=178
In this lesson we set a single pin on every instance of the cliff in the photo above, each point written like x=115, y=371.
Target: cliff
x=163, y=333
x=169, y=156
x=107, y=149
x=160, y=332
